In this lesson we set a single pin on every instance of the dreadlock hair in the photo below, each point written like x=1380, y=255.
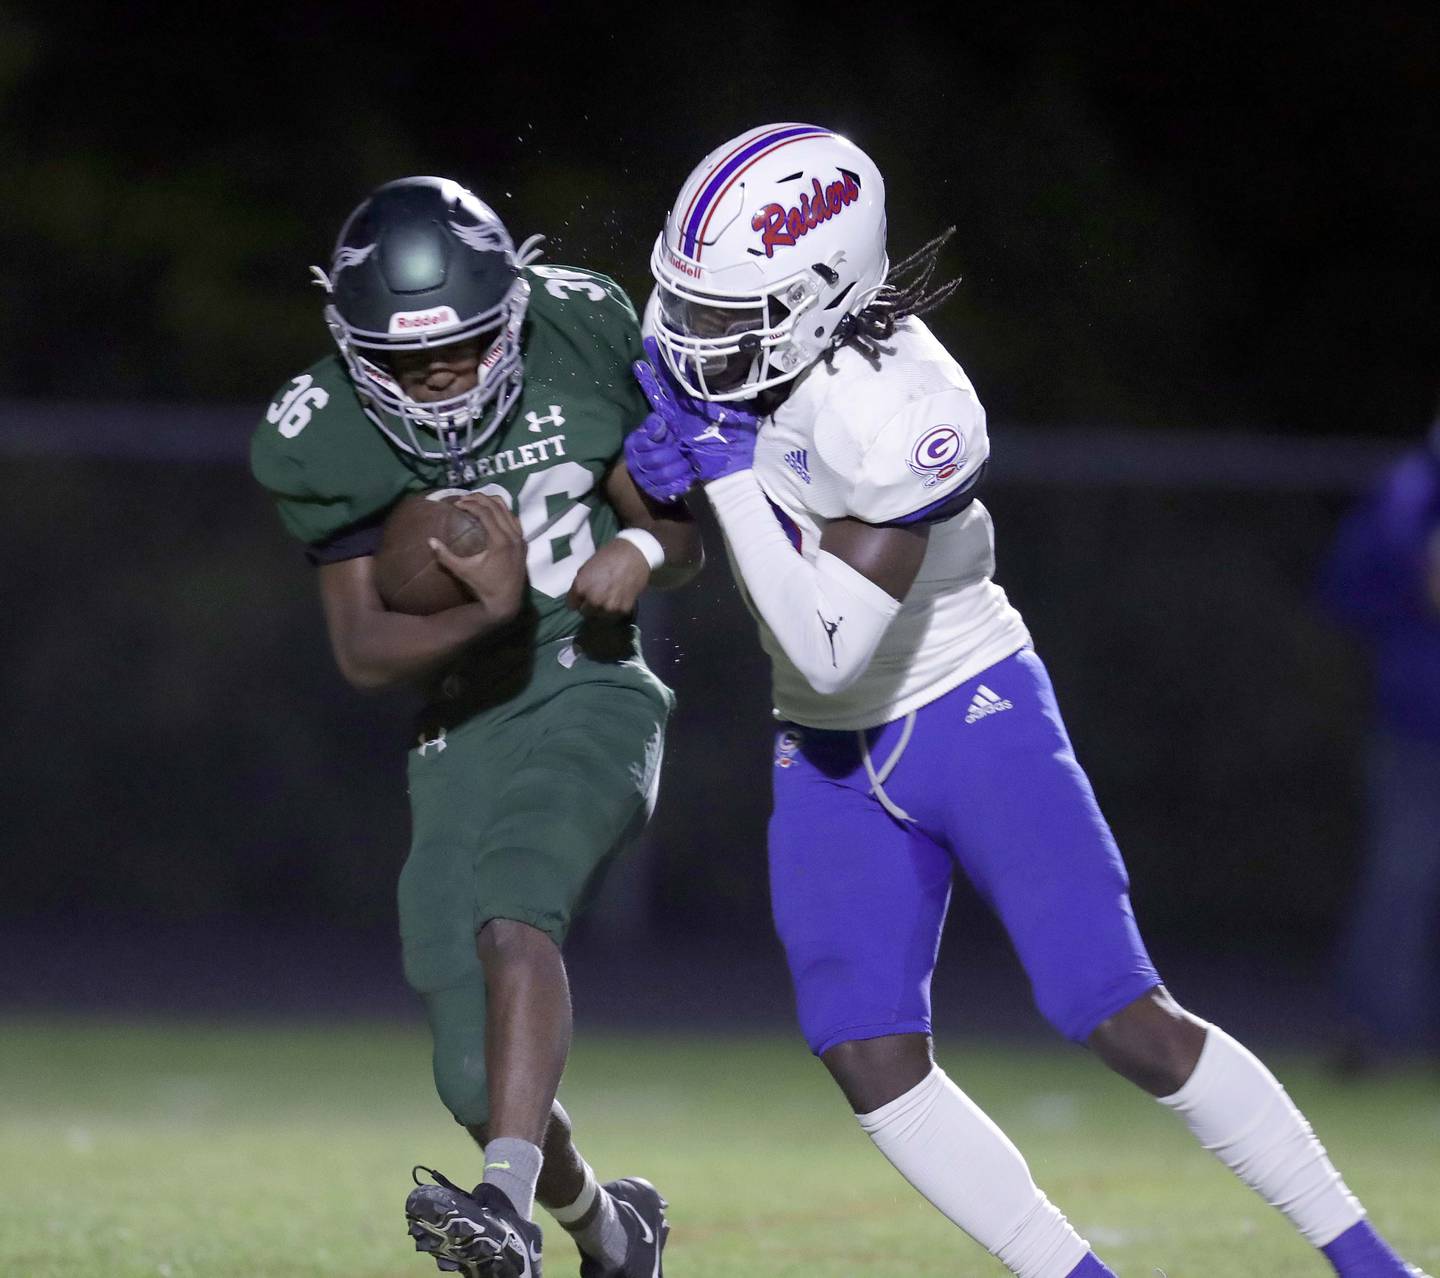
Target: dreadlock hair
x=906, y=292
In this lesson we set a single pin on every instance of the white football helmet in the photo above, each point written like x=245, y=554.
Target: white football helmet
x=774, y=239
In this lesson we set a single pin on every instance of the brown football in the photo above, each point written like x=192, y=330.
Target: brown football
x=407, y=574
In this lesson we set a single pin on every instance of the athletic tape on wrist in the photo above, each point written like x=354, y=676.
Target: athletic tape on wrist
x=646, y=543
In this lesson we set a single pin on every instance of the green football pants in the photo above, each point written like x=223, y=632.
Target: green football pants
x=515, y=819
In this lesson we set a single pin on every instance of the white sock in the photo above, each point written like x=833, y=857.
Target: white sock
x=941, y=1142
x=1240, y=1113
x=603, y=1238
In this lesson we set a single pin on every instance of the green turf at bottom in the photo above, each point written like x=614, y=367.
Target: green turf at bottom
x=250, y=1152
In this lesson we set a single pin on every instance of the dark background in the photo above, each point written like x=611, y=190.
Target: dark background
x=1186, y=232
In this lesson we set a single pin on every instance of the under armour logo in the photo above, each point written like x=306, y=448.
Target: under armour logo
x=553, y=418
x=830, y=628
x=437, y=742
x=712, y=431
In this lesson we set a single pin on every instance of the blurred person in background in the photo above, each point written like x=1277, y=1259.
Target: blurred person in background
x=1382, y=583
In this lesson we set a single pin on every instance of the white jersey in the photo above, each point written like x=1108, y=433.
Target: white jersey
x=883, y=443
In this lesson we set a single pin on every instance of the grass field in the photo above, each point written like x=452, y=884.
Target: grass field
x=249, y=1151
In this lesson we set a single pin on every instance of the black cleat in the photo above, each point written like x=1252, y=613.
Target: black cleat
x=642, y=1212
x=476, y=1235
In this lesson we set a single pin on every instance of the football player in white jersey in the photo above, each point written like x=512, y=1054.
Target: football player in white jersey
x=842, y=449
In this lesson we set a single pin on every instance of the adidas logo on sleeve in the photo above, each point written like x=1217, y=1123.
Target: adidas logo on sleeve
x=985, y=701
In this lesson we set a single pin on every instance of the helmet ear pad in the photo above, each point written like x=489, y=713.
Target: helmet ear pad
x=785, y=219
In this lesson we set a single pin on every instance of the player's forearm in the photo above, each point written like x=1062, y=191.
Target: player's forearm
x=684, y=553
x=392, y=649
x=827, y=617
x=675, y=554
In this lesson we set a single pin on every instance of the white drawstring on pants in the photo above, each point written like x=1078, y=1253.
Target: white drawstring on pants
x=877, y=779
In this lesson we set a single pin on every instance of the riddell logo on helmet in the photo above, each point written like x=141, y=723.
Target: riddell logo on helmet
x=685, y=268
x=418, y=321
x=782, y=226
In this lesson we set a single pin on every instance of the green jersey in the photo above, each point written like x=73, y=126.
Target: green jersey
x=335, y=474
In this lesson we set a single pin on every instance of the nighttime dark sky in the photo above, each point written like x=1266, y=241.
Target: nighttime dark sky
x=1168, y=214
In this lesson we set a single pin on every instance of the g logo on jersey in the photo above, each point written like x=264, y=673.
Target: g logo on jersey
x=936, y=455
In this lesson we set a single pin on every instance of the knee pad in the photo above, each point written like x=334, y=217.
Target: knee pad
x=457, y=1026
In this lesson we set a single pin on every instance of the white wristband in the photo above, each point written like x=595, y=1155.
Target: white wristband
x=647, y=543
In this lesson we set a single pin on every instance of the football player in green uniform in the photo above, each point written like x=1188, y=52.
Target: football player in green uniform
x=463, y=365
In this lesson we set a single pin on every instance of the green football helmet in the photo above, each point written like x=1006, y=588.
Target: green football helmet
x=422, y=263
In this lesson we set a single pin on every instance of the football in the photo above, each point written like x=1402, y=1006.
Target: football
x=407, y=574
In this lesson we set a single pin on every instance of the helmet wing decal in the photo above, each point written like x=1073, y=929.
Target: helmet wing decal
x=483, y=238
x=346, y=257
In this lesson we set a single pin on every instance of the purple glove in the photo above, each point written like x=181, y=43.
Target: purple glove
x=657, y=463
x=719, y=439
